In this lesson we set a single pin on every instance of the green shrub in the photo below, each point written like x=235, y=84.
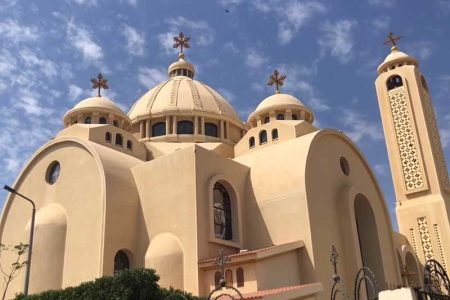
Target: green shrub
x=133, y=284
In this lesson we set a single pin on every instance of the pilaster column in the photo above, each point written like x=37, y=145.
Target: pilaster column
x=222, y=129
x=202, y=120
x=174, y=125
x=288, y=114
x=258, y=121
x=148, y=133
x=196, y=125
x=167, y=125
x=141, y=128
x=272, y=116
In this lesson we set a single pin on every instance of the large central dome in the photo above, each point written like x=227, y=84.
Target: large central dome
x=184, y=109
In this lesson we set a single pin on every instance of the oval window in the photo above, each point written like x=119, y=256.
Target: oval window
x=345, y=167
x=53, y=172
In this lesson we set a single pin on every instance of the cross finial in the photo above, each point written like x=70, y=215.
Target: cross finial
x=181, y=41
x=99, y=83
x=277, y=79
x=334, y=259
x=392, y=40
x=221, y=261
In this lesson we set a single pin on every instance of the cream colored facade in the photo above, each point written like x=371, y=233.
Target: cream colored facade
x=181, y=177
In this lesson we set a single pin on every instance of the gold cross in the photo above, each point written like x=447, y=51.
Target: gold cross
x=392, y=39
x=99, y=83
x=181, y=41
x=276, y=79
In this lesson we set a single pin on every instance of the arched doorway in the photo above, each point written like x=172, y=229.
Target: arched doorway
x=369, y=243
x=412, y=270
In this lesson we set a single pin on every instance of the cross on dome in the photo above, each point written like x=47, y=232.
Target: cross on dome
x=99, y=83
x=181, y=41
x=277, y=79
x=392, y=40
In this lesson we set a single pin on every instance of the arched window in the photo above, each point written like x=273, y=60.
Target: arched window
x=251, y=142
x=185, y=127
x=263, y=137
x=217, y=277
x=222, y=213
x=240, y=277
x=102, y=120
x=280, y=117
x=129, y=145
x=229, y=277
x=116, y=123
x=108, y=137
x=159, y=129
x=294, y=117
x=119, y=139
x=211, y=129
x=393, y=82
x=275, y=134
x=121, y=262
x=266, y=120
x=87, y=120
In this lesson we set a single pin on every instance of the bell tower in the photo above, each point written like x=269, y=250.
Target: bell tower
x=416, y=157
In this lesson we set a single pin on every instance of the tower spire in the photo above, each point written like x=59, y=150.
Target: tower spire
x=181, y=41
x=277, y=79
x=391, y=39
x=99, y=83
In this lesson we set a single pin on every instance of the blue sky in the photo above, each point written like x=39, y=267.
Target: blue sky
x=329, y=50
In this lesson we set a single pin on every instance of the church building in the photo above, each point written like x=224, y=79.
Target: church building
x=181, y=177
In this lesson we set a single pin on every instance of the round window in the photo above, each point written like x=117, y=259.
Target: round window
x=345, y=167
x=53, y=172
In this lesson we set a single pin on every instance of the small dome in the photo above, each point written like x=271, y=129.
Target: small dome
x=396, y=57
x=103, y=108
x=279, y=102
x=97, y=102
x=182, y=94
x=181, y=68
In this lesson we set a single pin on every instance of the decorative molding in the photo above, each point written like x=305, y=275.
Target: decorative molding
x=425, y=238
x=218, y=103
x=174, y=93
x=435, y=141
x=405, y=131
x=413, y=240
x=440, y=246
x=195, y=94
x=152, y=98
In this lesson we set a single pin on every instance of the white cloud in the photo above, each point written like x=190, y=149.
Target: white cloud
x=254, y=59
x=149, y=77
x=8, y=63
x=421, y=49
x=135, y=41
x=445, y=137
x=381, y=169
x=230, y=3
x=15, y=32
x=74, y=92
x=292, y=15
x=357, y=126
x=29, y=102
x=383, y=3
x=30, y=59
x=381, y=23
x=203, y=32
x=85, y=2
x=82, y=40
x=337, y=39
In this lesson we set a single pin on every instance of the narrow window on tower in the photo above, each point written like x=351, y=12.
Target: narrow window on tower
x=393, y=82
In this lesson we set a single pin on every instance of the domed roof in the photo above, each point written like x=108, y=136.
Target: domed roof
x=97, y=102
x=182, y=94
x=278, y=101
x=394, y=57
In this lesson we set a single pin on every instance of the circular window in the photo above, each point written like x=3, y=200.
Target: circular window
x=53, y=172
x=345, y=167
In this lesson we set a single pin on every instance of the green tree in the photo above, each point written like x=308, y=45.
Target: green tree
x=13, y=271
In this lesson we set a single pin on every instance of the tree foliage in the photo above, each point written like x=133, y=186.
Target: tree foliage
x=11, y=272
x=135, y=284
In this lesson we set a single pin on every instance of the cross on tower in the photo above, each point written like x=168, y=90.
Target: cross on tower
x=276, y=79
x=99, y=83
x=181, y=41
x=221, y=261
x=392, y=39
